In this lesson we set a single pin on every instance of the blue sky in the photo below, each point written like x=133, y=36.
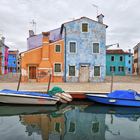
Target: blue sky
x=122, y=17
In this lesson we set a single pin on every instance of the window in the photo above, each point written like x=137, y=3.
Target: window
x=129, y=61
x=121, y=69
x=112, y=58
x=14, y=62
x=121, y=58
x=95, y=127
x=71, y=70
x=95, y=47
x=57, y=68
x=57, y=48
x=112, y=69
x=72, y=127
x=72, y=47
x=57, y=127
x=96, y=70
x=85, y=27
x=129, y=69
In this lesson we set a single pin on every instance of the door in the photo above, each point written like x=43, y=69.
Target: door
x=32, y=72
x=84, y=73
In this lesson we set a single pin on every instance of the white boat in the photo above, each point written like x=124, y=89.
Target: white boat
x=25, y=97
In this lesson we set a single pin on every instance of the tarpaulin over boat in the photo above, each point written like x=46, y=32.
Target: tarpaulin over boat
x=123, y=94
x=7, y=91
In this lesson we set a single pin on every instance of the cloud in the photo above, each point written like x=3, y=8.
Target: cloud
x=122, y=17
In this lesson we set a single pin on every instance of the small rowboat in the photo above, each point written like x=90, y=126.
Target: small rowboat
x=25, y=97
x=117, y=97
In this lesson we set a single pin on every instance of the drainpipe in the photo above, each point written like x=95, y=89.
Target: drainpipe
x=65, y=55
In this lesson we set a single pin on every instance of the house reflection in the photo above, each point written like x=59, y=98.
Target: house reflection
x=66, y=125
x=45, y=125
x=86, y=126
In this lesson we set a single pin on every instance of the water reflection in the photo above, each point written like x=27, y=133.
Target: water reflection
x=76, y=122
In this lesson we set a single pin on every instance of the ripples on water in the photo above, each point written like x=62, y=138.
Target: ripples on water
x=69, y=122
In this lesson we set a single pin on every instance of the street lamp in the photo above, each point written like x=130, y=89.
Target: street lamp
x=107, y=46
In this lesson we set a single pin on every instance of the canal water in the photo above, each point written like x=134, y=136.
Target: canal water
x=69, y=122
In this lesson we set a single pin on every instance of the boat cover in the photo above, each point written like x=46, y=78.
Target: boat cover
x=123, y=94
x=55, y=90
x=7, y=91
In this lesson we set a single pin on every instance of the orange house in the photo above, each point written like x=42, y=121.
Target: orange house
x=46, y=123
x=37, y=64
x=0, y=63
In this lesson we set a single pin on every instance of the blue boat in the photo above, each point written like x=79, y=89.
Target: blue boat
x=117, y=97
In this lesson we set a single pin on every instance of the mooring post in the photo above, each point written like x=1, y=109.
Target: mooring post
x=19, y=80
x=111, y=83
x=49, y=83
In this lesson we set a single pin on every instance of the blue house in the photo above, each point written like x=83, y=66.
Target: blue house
x=128, y=63
x=85, y=51
x=13, y=62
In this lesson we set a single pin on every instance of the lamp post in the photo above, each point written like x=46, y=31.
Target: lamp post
x=107, y=46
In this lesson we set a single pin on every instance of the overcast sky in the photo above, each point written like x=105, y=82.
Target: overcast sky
x=122, y=17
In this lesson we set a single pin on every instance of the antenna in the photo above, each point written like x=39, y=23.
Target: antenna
x=33, y=23
x=97, y=8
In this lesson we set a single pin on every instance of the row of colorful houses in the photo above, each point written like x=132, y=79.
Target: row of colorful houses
x=9, y=60
x=66, y=53
x=75, y=52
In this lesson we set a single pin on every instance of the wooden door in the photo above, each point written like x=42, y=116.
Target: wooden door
x=32, y=72
x=84, y=74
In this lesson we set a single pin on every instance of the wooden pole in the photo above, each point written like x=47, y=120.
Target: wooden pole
x=111, y=83
x=19, y=75
x=49, y=83
x=19, y=82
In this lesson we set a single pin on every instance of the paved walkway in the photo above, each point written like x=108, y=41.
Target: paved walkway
x=88, y=87
x=10, y=81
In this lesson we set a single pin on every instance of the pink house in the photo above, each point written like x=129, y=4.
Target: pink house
x=6, y=60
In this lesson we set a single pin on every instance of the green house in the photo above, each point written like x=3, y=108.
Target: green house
x=116, y=62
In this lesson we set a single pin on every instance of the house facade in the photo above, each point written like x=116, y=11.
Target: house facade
x=6, y=60
x=79, y=55
x=0, y=63
x=137, y=59
x=13, y=61
x=39, y=62
x=119, y=62
x=3, y=57
x=85, y=52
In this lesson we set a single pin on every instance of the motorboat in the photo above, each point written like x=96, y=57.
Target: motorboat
x=117, y=97
x=25, y=97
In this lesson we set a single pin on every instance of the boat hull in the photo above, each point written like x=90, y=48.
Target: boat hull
x=26, y=99
x=112, y=101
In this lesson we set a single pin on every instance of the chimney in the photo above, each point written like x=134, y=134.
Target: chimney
x=3, y=39
x=100, y=18
x=129, y=50
x=31, y=33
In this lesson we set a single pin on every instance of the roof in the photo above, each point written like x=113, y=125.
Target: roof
x=38, y=47
x=138, y=45
x=13, y=52
x=86, y=18
x=118, y=51
x=62, y=26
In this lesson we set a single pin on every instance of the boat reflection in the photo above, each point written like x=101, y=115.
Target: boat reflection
x=14, y=110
